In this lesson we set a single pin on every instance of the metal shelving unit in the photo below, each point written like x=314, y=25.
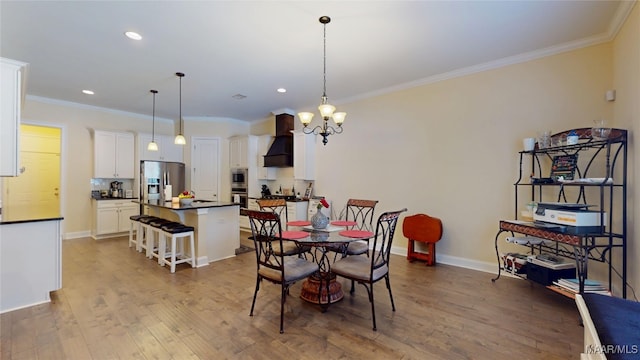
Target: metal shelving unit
x=604, y=160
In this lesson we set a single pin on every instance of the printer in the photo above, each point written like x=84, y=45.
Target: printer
x=576, y=216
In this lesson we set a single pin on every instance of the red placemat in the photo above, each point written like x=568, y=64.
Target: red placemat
x=344, y=223
x=293, y=235
x=356, y=233
x=299, y=223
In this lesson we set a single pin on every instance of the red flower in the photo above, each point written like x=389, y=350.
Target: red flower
x=324, y=203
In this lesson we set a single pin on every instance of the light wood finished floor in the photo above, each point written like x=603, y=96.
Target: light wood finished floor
x=116, y=304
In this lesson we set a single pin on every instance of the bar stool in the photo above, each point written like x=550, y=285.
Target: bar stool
x=145, y=222
x=136, y=225
x=177, y=231
x=154, y=238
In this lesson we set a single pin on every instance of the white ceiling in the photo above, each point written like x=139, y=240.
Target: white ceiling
x=254, y=47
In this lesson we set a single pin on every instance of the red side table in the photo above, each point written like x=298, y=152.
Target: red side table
x=425, y=229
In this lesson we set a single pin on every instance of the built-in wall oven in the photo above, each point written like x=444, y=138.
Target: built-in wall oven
x=239, y=192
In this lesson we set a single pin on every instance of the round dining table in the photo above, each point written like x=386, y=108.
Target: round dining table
x=322, y=288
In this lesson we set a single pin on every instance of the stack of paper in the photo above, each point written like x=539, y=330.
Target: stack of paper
x=590, y=286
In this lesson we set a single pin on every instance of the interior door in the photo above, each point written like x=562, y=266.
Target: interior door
x=205, y=174
x=36, y=192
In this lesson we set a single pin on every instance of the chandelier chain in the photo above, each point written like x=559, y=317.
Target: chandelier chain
x=324, y=67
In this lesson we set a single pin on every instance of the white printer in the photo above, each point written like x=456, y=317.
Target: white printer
x=575, y=215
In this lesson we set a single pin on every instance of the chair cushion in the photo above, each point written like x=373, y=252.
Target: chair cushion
x=358, y=268
x=357, y=247
x=137, y=217
x=147, y=219
x=294, y=269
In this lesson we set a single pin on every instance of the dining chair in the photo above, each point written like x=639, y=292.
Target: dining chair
x=369, y=270
x=279, y=206
x=271, y=266
x=359, y=212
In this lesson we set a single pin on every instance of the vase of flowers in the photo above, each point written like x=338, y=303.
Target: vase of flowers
x=320, y=220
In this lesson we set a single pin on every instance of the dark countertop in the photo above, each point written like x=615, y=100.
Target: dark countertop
x=112, y=198
x=197, y=204
x=18, y=221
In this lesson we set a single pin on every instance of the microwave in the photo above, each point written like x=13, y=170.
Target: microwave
x=239, y=179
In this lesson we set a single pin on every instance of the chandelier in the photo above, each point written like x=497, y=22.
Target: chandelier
x=180, y=140
x=326, y=109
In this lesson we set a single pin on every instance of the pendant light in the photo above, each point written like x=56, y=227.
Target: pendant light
x=180, y=140
x=153, y=146
x=326, y=109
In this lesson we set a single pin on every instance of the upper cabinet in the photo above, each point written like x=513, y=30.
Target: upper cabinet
x=12, y=91
x=242, y=151
x=265, y=173
x=304, y=156
x=114, y=155
x=167, y=149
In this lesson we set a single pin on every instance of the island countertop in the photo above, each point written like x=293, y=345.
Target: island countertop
x=196, y=204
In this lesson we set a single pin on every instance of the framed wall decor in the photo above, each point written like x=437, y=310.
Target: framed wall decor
x=308, y=192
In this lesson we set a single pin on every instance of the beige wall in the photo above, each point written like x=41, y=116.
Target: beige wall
x=448, y=149
x=626, y=81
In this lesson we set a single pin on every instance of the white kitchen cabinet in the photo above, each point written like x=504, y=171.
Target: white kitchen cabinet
x=114, y=155
x=297, y=210
x=111, y=217
x=304, y=156
x=12, y=89
x=265, y=173
x=242, y=151
x=167, y=149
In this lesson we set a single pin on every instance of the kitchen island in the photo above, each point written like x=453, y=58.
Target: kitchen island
x=215, y=222
x=30, y=261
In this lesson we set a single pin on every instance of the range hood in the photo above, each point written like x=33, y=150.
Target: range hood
x=280, y=153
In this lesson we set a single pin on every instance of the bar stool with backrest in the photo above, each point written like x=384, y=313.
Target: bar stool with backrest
x=369, y=270
x=177, y=251
x=279, y=207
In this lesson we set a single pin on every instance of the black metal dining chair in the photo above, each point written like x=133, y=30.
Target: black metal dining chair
x=279, y=206
x=369, y=270
x=275, y=267
x=360, y=212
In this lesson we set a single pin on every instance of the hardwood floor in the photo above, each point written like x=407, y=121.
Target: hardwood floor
x=116, y=304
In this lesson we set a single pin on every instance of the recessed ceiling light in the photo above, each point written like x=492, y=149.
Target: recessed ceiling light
x=88, y=92
x=133, y=35
x=282, y=90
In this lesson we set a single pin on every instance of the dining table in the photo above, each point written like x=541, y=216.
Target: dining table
x=322, y=288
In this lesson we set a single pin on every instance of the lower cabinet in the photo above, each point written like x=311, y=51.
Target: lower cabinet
x=111, y=217
x=297, y=210
x=244, y=220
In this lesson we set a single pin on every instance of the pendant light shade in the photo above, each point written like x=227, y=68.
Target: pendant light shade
x=180, y=140
x=152, y=145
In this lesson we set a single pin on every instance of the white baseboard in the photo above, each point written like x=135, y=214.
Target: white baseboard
x=76, y=235
x=454, y=261
x=202, y=261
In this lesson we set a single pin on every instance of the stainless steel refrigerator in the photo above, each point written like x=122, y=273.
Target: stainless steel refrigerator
x=156, y=177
